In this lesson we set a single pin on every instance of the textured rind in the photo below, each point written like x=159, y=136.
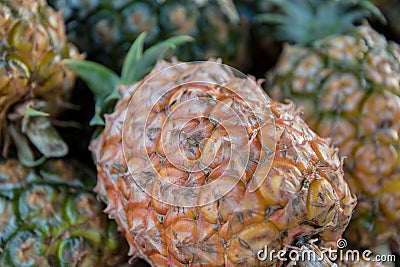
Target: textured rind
x=32, y=45
x=349, y=87
x=304, y=195
x=50, y=217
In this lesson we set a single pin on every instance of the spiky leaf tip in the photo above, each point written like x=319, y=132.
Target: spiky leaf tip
x=136, y=67
x=104, y=83
x=304, y=21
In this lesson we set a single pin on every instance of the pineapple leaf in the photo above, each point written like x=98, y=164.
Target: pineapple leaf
x=304, y=21
x=45, y=137
x=30, y=112
x=132, y=59
x=153, y=54
x=24, y=152
x=373, y=10
x=113, y=96
x=101, y=80
x=104, y=83
x=97, y=119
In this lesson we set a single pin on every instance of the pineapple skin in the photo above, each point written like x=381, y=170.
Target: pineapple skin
x=50, y=217
x=304, y=195
x=32, y=45
x=105, y=29
x=349, y=87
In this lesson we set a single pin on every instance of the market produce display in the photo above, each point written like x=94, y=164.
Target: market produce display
x=222, y=133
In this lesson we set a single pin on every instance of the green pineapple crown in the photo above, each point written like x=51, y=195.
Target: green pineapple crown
x=104, y=82
x=304, y=21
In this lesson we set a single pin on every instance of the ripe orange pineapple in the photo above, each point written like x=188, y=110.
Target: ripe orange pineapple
x=348, y=82
x=301, y=193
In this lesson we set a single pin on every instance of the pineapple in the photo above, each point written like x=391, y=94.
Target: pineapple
x=34, y=83
x=50, y=217
x=181, y=197
x=105, y=29
x=348, y=83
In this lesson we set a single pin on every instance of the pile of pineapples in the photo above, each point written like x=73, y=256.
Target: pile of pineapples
x=319, y=132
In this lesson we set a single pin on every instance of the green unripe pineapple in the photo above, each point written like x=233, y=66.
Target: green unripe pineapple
x=105, y=29
x=50, y=217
